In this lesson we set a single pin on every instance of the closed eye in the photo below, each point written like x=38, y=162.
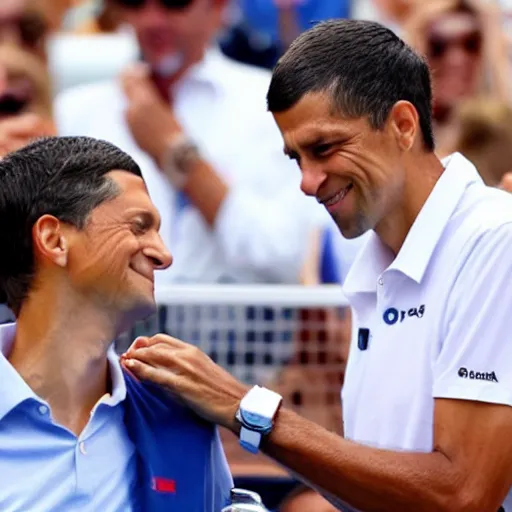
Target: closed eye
x=143, y=222
x=292, y=155
x=140, y=226
x=322, y=150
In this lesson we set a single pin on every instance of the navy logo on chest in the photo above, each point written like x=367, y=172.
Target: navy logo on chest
x=392, y=315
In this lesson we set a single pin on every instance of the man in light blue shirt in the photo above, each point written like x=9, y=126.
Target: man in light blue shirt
x=45, y=466
x=76, y=431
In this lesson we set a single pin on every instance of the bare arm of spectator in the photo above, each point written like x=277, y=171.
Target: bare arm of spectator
x=289, y=27
x=310, y=273
x=495, y=48
x=262, y=234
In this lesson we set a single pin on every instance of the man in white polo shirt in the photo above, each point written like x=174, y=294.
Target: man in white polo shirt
x=428, y=389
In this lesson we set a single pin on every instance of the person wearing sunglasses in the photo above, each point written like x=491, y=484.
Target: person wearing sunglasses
x=25, y=85
x=210, y=152
x=465, y=47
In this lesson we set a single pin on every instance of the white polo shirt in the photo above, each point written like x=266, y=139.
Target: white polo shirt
x=437, y=315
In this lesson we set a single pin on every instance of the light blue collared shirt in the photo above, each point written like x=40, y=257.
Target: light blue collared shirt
x=44, y=467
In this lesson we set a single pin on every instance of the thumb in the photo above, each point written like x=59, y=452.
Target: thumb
x=134, y=76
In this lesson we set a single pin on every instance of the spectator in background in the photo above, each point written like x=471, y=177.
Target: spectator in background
x=103, y=21
x=25, y=87
x=484, y=136
x=466, y=49
x=55, y=11
x=268, y=27
x=211, y=154
x=391, y=13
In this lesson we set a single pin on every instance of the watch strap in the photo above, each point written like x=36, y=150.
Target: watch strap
x=261, y=402
x=250, y=440
x=180, y=152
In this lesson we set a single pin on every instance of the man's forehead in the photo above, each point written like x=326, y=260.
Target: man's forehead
x=127, y=181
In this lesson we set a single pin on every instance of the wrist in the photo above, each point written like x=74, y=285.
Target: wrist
x=162, y=147
x=255, y=416
x=178, y=156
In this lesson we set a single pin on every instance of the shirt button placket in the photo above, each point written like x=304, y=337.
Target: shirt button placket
x=81, y=463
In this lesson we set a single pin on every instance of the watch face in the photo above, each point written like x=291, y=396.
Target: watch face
x=255, y=421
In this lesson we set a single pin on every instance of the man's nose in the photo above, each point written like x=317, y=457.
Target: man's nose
x=312, y=179
x=159, y=254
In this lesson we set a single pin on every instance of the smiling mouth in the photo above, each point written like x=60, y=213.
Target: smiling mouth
x=14, y=100
x=332, y=200
x=149, y=277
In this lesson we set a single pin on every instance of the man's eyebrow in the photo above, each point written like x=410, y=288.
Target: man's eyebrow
x=317, y=140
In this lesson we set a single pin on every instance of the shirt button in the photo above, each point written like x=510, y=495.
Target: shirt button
x=81, y=446
x=43, y=410
x=381, y=281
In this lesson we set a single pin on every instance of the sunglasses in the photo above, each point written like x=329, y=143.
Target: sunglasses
x=439, y=46
x=171, y=5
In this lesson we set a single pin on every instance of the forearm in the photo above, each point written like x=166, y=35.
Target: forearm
x=366, y=478
x=205, y=189
x=248, y=226
x=497, y=54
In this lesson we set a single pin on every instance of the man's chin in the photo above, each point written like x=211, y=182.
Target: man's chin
x=138, y=312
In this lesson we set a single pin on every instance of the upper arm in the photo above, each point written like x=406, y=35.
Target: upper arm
x=472, y=383
x=476, y=438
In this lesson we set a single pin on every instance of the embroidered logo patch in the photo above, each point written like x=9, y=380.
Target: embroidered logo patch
x=164, y=485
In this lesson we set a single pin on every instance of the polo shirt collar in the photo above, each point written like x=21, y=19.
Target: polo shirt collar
x=421, y=241
x=210, y=72
x=14, y=390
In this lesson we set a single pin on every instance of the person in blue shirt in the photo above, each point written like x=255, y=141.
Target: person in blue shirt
x=77, y=432
x=266, y=28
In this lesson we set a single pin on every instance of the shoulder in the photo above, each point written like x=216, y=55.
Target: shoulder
x=245, y=84
x=484, y=212
x=140, y=395
x=479, y=236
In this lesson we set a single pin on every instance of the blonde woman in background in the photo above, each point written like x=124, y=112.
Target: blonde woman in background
x=484, y=136
x=466, y=49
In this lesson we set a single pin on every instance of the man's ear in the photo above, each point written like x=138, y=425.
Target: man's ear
x=50, y=241
x=405, y=124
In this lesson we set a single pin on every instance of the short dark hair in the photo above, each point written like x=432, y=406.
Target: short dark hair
x=60, y=176
x=365, y=68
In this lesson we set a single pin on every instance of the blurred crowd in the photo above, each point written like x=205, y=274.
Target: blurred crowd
x=141, y=73
x=135, y=72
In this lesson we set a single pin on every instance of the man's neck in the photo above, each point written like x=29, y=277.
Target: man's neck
x=60, y=350
x=421, y=179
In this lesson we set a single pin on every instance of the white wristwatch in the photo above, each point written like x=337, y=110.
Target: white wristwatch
x=256, y=414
